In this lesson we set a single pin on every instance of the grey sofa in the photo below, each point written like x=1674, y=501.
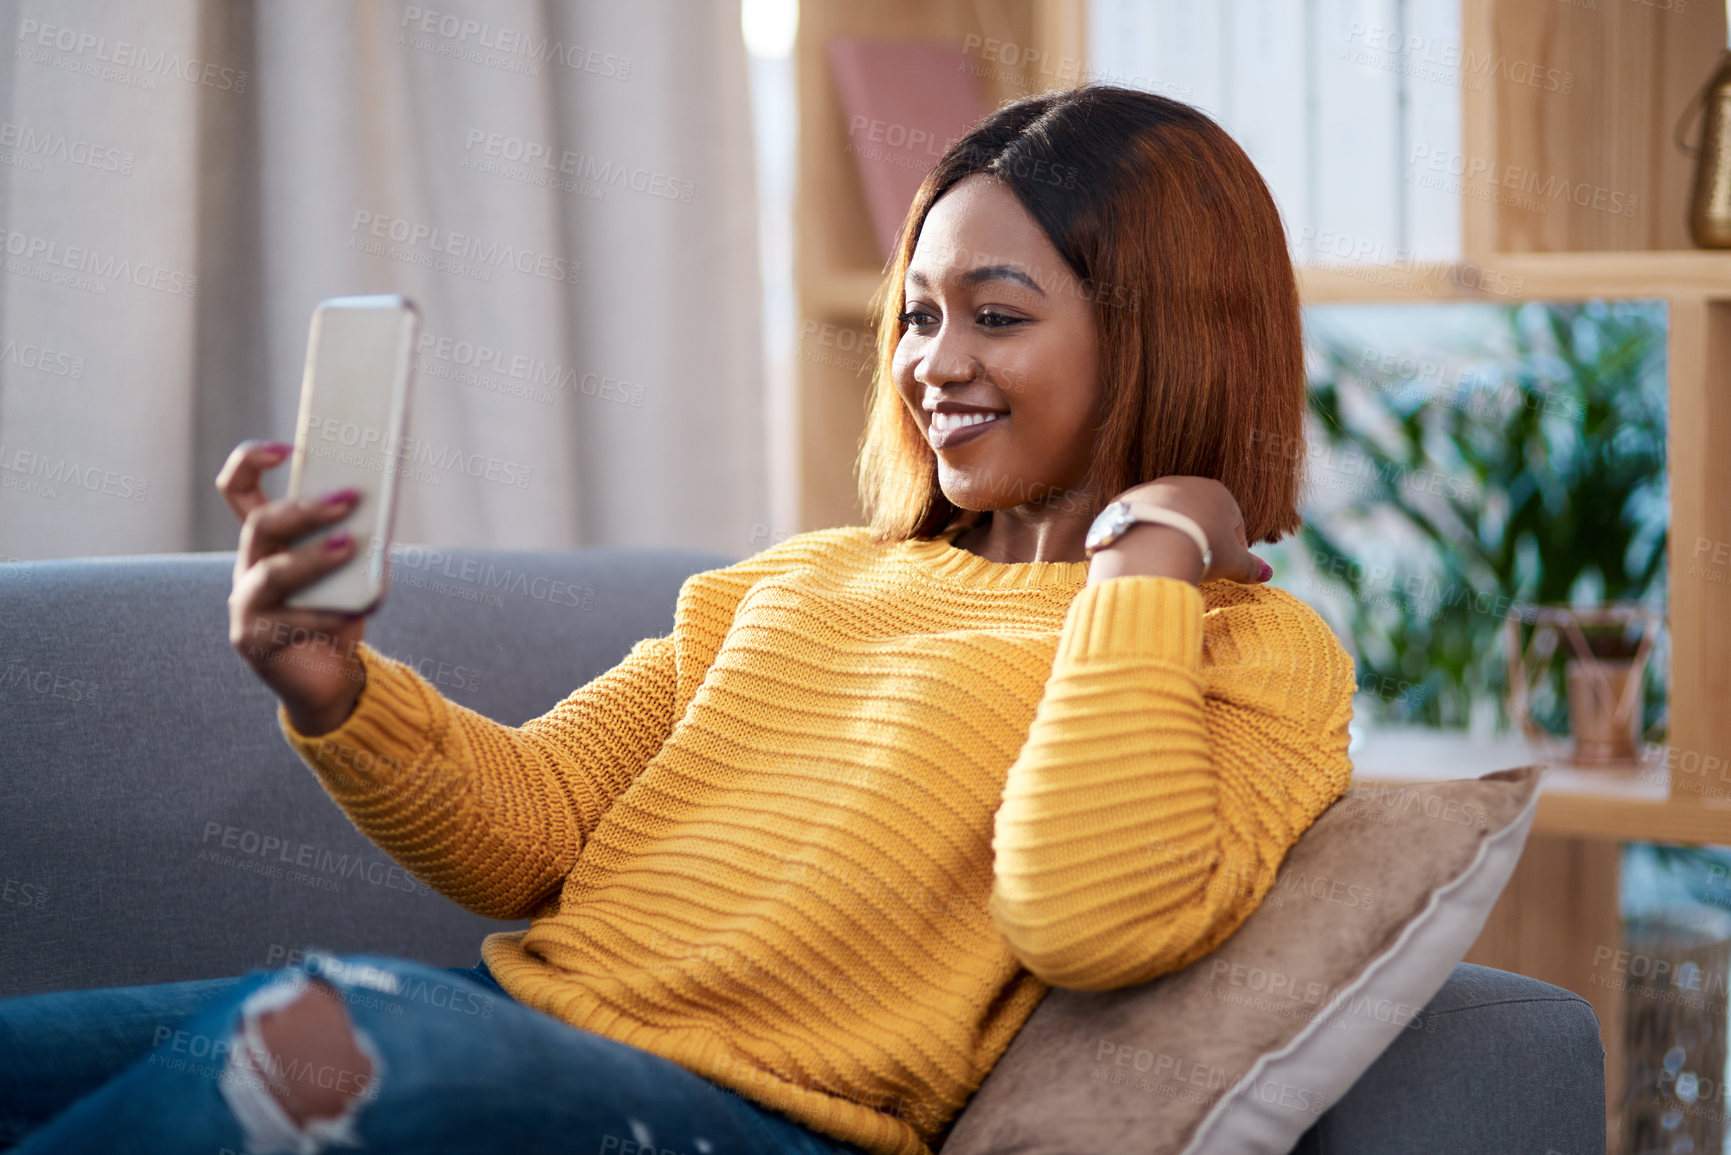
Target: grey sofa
x=154, y=826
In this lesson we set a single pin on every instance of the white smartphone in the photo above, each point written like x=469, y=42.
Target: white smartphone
x=354, y=417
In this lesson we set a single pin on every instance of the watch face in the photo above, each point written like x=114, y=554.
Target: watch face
x=1109, y=526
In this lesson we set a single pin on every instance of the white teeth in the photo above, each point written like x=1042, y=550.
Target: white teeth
x=944, y=422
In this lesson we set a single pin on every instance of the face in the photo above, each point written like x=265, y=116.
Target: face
x=998, y=362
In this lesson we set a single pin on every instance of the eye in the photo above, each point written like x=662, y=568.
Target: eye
x=995, y=320
x=917, y=318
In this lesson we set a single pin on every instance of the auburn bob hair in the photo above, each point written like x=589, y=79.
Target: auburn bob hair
x=1174, y=236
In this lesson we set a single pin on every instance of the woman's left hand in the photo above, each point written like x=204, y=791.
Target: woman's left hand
x=1162, y=551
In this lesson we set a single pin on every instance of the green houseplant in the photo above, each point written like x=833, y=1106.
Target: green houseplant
x=1531, y=473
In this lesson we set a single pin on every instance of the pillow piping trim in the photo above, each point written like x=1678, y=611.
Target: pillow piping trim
x=1521, y=823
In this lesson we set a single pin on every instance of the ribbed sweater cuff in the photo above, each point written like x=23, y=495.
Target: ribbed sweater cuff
x=390, y=726
x=1135, y=616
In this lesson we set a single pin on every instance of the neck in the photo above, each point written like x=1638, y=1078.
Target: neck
x=1028, y=533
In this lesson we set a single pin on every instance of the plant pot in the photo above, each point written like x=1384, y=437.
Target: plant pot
x=1604, y=710
x=1606, y=653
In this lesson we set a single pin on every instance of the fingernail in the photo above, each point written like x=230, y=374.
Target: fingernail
x=277, y=447
x=340, y=496
x=337, y=540
x=1267, y=572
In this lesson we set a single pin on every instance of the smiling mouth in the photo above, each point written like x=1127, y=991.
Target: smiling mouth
x=950, y=429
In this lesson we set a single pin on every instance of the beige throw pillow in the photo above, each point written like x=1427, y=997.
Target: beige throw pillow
x=1242, y=1050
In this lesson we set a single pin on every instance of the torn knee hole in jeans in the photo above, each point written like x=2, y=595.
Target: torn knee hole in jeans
x=267, y=1091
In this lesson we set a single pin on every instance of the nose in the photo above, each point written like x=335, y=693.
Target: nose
x=945, y=360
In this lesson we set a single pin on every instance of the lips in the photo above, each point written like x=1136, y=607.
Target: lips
x=948, y=430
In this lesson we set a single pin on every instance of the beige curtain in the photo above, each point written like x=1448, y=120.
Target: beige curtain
x=565, y=188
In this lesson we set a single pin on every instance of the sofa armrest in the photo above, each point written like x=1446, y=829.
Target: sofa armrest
x=1497, y=1063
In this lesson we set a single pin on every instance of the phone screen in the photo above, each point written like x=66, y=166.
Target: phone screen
x=351, y=432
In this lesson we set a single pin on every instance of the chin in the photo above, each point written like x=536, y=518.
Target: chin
x=955, y=485
x=968, y=498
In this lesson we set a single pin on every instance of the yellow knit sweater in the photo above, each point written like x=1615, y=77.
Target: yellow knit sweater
x=828, y=842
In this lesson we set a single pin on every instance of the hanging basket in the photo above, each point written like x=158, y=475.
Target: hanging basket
x=1608, y=647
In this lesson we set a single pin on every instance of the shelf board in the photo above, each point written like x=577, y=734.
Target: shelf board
x=1573, y=802
x=1686, y=273
x=1689, y=273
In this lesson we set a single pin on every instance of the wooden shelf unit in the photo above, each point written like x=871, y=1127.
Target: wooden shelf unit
x=1696, y=287
x=1692, y=275
x=1637, y=67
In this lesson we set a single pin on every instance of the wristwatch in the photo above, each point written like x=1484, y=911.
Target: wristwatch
x=1116, y=519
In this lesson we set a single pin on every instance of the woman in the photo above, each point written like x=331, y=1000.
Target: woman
x=798, y=871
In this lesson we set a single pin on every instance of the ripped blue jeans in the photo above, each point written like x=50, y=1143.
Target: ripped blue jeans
x=456, y=1066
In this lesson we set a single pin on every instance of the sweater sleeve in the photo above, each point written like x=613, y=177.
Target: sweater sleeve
x=1173, y=760
x=494, y=816
x=489, y=815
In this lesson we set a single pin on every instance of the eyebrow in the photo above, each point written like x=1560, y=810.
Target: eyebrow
x=976, y=277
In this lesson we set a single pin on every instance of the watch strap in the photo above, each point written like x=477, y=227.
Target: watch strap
x=1143, y=511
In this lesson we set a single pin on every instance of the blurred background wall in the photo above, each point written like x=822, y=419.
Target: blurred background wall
x=567, y=191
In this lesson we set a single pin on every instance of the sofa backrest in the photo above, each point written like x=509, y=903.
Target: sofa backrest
x=154, y=824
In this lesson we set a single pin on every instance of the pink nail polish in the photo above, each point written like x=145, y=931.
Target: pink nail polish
x=341, y=496
x=1267, y=572
x=337, y=540
x=278, y=447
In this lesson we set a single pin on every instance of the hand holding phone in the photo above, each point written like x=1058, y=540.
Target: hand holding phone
x=309, y=565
